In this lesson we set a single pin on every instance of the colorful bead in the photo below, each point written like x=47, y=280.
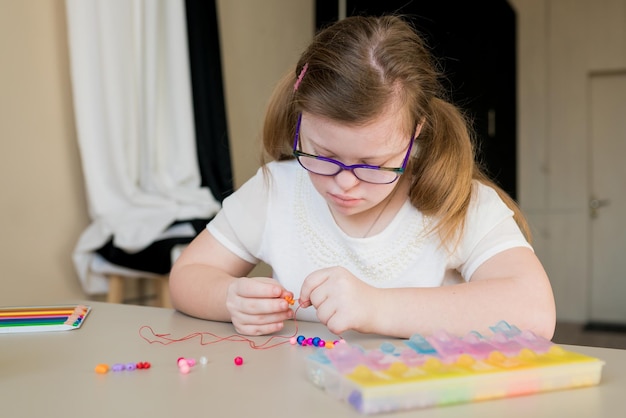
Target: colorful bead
x=102, y=368
x=143, y=365
x=183, y=365
x=191, y=362
x=315, y=342
x=238, y=361
x=117, y=367
x=290, y=300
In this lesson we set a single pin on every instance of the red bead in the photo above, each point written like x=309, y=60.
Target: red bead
x=146, y=365
x=238, y=361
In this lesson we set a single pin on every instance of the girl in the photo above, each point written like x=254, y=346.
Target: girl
x=370, y=208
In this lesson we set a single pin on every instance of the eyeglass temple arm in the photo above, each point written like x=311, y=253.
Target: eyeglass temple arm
x=408, y=153
x=297, y=134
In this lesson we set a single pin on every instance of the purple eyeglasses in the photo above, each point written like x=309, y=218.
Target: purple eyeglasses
x=328, y=167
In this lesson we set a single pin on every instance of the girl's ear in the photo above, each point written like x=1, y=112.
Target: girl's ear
x=418, y=129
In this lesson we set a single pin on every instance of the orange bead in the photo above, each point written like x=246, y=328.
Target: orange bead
x=102, y=368
x=290, y=300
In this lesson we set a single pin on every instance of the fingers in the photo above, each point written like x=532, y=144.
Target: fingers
x=312, y=283
x=258, y=287
x=257, y=305
x=337, y=296
x=261, y=324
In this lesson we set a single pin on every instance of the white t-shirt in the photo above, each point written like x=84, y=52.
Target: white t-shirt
x=282, y=220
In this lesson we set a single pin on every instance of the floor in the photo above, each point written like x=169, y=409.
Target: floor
x=579, y=334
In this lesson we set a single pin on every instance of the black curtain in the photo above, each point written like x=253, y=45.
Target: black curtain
x=211, y=135
x=208, y=97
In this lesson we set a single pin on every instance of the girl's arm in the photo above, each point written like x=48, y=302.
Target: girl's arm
x=511, y=286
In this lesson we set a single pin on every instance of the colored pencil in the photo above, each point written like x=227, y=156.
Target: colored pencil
x=47, y=311
x=42, y=318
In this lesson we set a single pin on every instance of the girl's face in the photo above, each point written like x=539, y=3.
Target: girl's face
x=381, y=142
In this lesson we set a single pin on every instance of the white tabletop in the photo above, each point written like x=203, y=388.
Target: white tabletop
x=52, y=374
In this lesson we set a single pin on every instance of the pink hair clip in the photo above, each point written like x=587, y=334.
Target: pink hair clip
x=299, y=80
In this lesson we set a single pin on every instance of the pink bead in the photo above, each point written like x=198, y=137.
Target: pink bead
x=322, y=343
x=191, y=362
x=293, y=341
x=183, y=367
x=238, y=361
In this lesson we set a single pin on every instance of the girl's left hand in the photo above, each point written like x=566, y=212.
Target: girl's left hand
x=343, y=302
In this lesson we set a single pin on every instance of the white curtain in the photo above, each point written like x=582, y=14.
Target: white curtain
x=134, y=119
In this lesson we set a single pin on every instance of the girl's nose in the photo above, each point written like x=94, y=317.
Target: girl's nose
x=346, y=179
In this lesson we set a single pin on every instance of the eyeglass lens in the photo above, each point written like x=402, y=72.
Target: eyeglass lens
x=329, y=168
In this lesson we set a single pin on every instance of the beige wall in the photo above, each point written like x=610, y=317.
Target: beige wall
x=260, y=42
x=43, y=207
x=43, y=204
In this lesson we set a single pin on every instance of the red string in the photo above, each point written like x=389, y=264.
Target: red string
x=166, y=339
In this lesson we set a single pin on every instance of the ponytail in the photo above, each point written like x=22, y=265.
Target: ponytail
x=443, y=171
x=280, y=121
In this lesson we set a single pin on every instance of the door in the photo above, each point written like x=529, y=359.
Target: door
x=607, y=197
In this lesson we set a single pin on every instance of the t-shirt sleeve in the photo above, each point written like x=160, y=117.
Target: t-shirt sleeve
x=239, y=225
x=489, y=230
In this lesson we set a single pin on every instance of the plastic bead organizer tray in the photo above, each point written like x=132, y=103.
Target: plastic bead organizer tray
x=444, y=369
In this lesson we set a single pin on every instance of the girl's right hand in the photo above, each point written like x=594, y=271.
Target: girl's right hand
x=257, y=305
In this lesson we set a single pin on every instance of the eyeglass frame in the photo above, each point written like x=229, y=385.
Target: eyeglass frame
x=343, y=167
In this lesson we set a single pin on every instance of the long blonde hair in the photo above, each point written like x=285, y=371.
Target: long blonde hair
x=357, y=68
